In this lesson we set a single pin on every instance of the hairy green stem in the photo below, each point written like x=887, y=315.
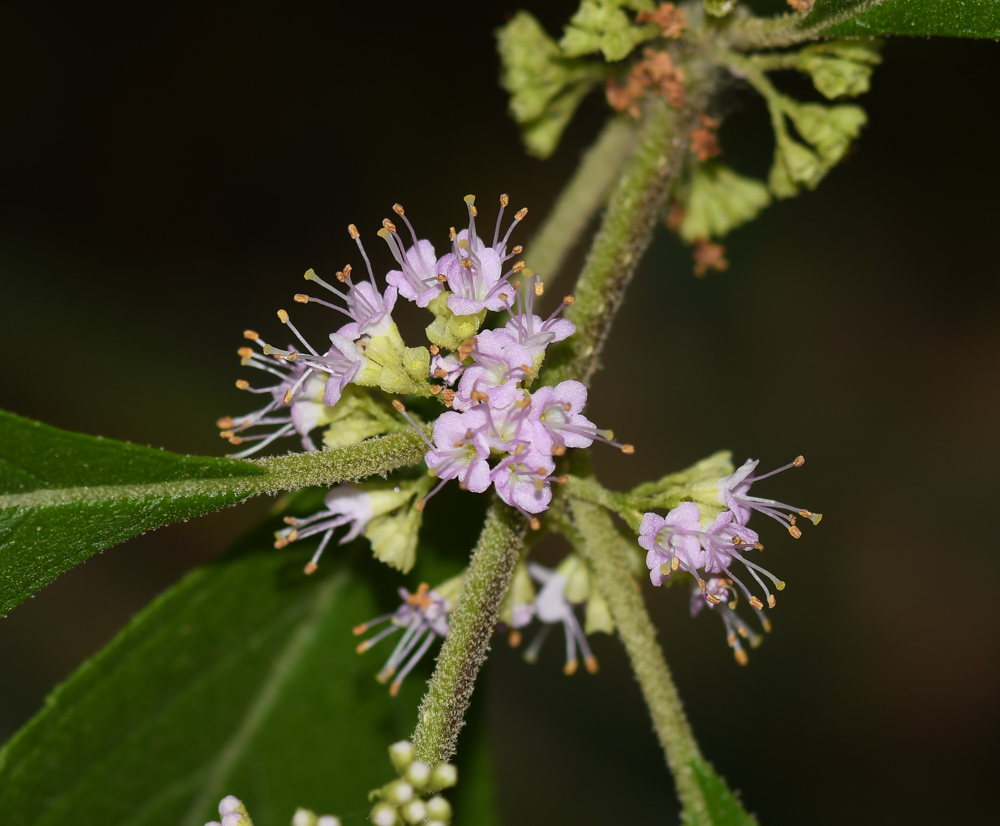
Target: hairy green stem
x=443, y=708
x=748, y=33
x=580, y=198
x=374, y=457
x=607, y=552
x=625, y=233
x=628, y=224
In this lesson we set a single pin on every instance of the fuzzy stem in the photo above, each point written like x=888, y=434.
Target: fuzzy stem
x=443, y=708
x=581, y=198
x=624, y=235
x=748, y=33
x=607, y=554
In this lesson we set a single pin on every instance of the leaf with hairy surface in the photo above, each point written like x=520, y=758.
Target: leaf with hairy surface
x=914, y=18
x=242, y=679
x=66, y=496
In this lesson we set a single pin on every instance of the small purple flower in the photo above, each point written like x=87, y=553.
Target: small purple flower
x=522, y=480
x=345, y=505
x=424, y=616
x=727, y=540
x=672, y=542
x=417, y=279
x=460, y=450
x=448, y=367
x=529, y=330
x=499, y=364
x=734, y=493
x=475, y=271
x=369, y=311
x=299, y=388
x=551, y=607
x=719, y=596
x=343, y=361
x=679, y=542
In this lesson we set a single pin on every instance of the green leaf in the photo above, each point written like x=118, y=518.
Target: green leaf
x=723, y=807
x=65, y=496
x=242, y=679
x=915, y=18
x=45, y=530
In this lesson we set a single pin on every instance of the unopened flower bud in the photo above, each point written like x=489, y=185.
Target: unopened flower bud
x=235, y=819
x=439, y=809
x=384, y=814
x=444, y=776
x=304, y=817
x=418, y=773
x=414, y=812
x=401, y=754
x=230, y=803
x=398, y=792
x=328, y=820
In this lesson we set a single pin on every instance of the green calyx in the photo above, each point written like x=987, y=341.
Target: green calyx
x=393, y=528
x=719, y=8
x=603, y=26
x=545, y=85
x=393, y=367
x=720, y=200
x=356, y=417
x=840, y=68
x=581, y=590
x=448, y=330
x=520, y=592
x=829, y=130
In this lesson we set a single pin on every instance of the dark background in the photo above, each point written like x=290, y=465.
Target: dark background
x=168, y=172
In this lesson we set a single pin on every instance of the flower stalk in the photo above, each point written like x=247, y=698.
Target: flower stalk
x=605, y=549
x=442, y=711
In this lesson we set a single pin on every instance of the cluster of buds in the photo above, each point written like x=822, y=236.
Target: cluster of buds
x=413, y=797
x=705, y=537
x=232, y=812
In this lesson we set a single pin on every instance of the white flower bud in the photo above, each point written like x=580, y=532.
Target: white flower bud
x=304, y=817
x=418, y=773
x=384, y=814
x=444, y=776
x=401, y=754
x=414, y=812
x=398, y=792
x=439, y=809
x=233, y=818
x=328, y=820
x=230, y=803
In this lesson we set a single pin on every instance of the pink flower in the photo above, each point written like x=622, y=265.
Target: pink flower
x=475, y=271
x=734, y=493
x=551, y=607
x=499, y=364
x=424, y=616
x=417, y=279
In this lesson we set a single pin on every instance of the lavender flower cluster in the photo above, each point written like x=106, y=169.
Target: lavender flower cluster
x=494, y=416
x=496, y=429
x=682, y=541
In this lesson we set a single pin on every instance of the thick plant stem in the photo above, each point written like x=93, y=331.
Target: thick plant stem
x=625, y=233
x=605, y=550
x=443, y=708
x=581, y=198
